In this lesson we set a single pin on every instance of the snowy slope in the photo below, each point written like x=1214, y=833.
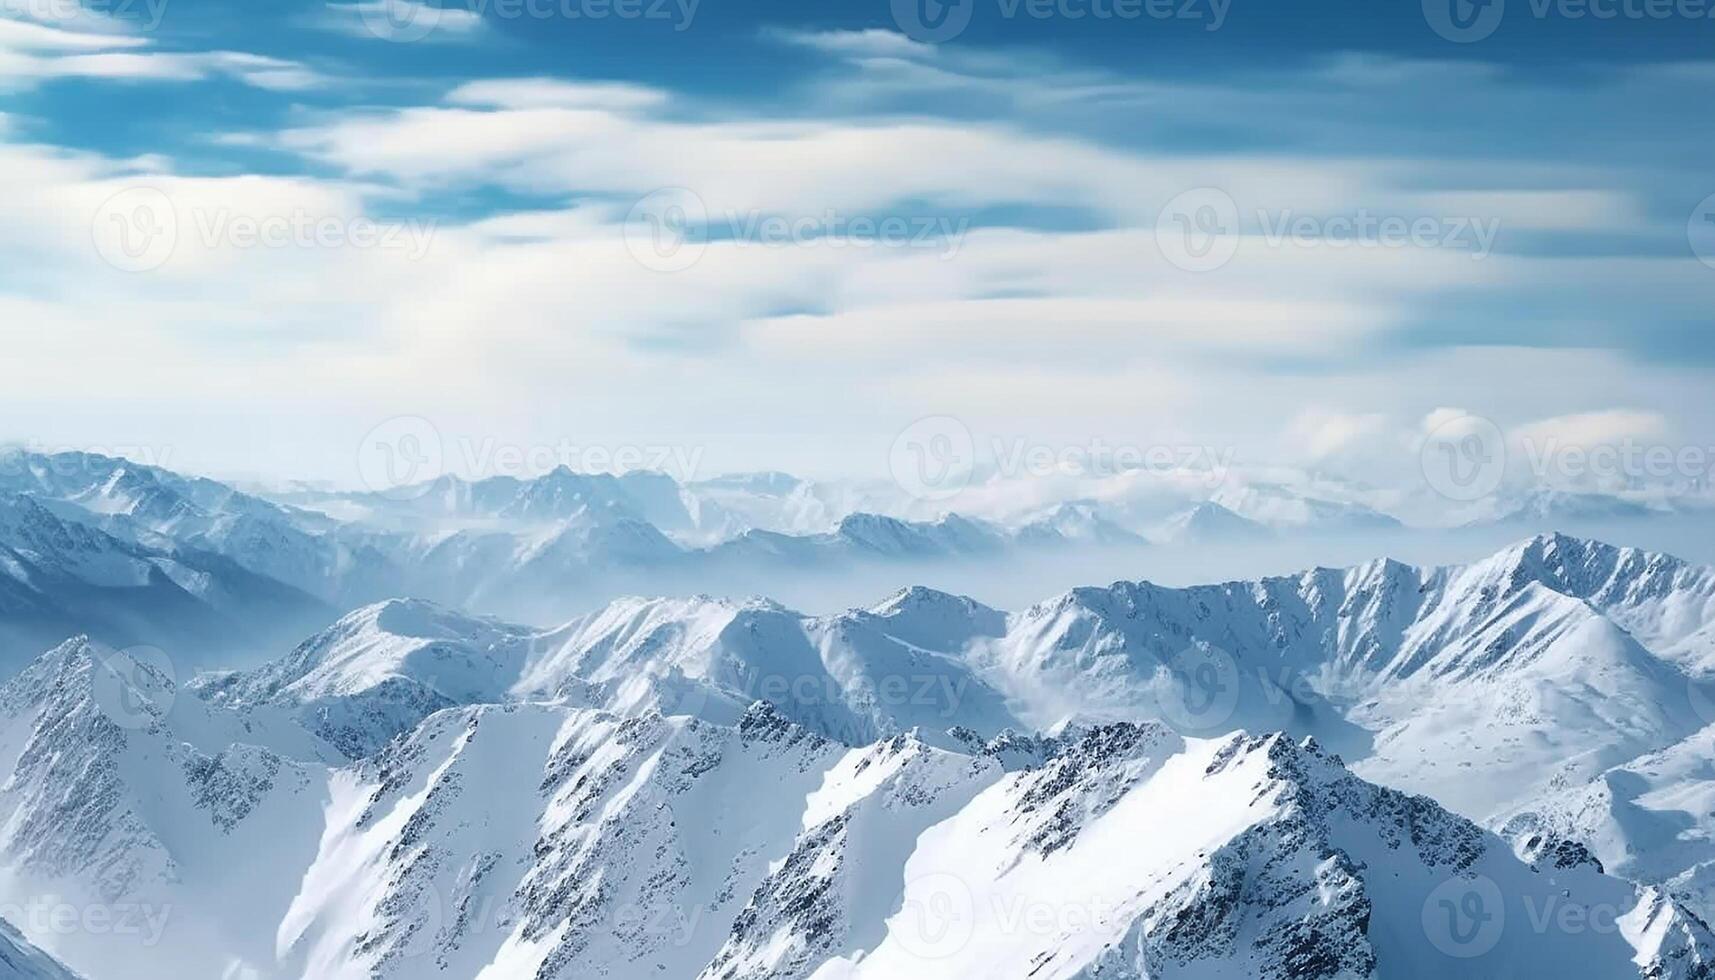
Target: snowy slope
x=60, y=576
x=558, y=842
x=927, y=787
x=19, y=960
x=380, y=670
x=1650, y=819
x=124, y=793
x=1259, y=858
x=853, y=677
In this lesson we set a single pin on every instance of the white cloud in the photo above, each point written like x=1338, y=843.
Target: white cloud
x=869, y=43
x=555, y=93
x=527, y=321
x=400, y=20
x=32, y=52
x=23, y=35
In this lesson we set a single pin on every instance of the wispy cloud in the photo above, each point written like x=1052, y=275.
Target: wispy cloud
x=400, y=20
x=32, y=52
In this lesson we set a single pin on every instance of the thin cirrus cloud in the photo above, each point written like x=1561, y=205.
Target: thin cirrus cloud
x=33, y=52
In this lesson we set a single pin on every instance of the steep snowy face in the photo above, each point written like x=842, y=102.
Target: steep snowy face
x=154, y=507
x=1650, y=819
x=1534, y=669
x=535, y=839
x=127, y=796
x=1138, y=855
x=853, y=678
x=382, y=669
x=20, y=960
x=1668, y=604
x=552, y=842
x=1525, y=673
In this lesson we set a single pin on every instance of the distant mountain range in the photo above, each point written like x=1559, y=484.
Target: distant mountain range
x=134, y=554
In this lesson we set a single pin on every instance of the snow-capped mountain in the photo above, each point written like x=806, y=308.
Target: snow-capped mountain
x=127, y=796
x=537, y=548
x=534, y=839
x=854, y=677
x=1125, y=781
x=60, y=576
x=380, y=670
x=1210, y=523
x=1280, y=506
x=1082, y=521
x=1535, y=669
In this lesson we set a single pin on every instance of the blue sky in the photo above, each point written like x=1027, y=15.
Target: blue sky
x=782, y=232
